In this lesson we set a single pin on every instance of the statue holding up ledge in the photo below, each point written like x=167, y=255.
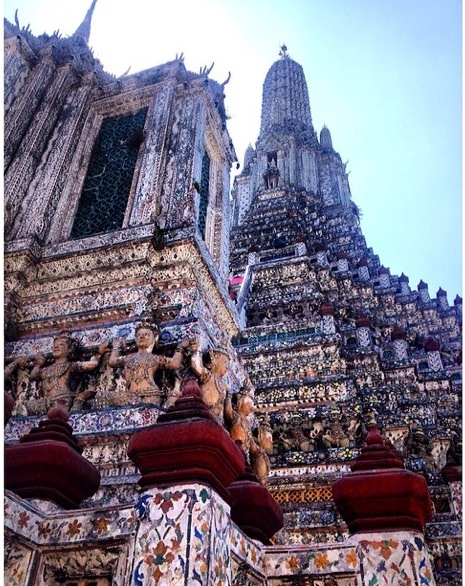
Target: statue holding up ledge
x=240, y=421
x=57, y=378
x=209, y=376
x=259, y=459
x=139, y=368
x=241, y=428
x=9, y=398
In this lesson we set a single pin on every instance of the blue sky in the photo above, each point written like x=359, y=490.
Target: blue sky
x=383, y=75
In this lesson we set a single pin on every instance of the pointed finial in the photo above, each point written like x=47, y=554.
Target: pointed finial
x=283, y=51
x=83, y=29
x=226, y=80
x=126, y=72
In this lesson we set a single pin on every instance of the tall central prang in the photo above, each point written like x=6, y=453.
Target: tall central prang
x=332, y=341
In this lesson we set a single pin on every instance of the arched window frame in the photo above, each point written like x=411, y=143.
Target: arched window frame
x=62, y=224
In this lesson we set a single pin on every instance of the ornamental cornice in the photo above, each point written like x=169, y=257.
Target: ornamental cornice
x=132, y=234
x=116, y=277
x=99, y=259
x=121, y=98
x=99, y=277
x=78, y=320
x=189, y=254
x=20, y=261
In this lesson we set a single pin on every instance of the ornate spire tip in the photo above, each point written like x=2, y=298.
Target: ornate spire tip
x=283, y=51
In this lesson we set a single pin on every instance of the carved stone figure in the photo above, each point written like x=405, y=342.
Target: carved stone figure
x=301, y=440
x=356, y=431
x=57, y=378
x=335, y=437
x=271, y=175
x=139, y=368
x=417, y=444
x=241, y=427
x=213, y=389
x=18, y=362
x=260, y=461
x=239, y=421
x=8, y=399
x=285, y=439
x=316, y=433
x=454, y=452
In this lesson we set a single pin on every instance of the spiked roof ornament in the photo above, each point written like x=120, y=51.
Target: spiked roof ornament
x=83, y=29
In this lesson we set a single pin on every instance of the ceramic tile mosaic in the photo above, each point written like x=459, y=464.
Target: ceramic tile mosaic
x=63, y=534
x=67, y=527
x=248, y=551
x=185, y=533
x=309, y=560
x=182, y=538
x=457, y=496
x=17, y=562
x=399, y=558
x=125, y=419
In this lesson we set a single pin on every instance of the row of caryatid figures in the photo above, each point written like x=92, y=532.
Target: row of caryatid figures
x=340, y=432
x=57, y=378
x=319, y=434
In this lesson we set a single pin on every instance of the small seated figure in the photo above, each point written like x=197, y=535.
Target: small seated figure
x=316, y=434
x=335, y=437
x=295, y=311
x=57, y=378
x=286, y=439
x=278, y=441
x=302, y=442
x=209, y=376
x=139, y=368
x=356, y=431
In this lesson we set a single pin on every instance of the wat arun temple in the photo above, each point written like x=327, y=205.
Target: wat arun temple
x=206, y=386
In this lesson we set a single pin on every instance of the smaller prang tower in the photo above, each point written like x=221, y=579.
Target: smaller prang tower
x=334, y=342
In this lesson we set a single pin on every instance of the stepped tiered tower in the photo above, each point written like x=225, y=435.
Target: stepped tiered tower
x=331, y=339
x=138, y=335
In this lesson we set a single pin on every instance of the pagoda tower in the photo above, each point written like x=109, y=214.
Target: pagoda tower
x=146, y=319
x=331, y=339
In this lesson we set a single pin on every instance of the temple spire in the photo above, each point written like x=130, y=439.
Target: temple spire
x=285, y=99
x=83, y=29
